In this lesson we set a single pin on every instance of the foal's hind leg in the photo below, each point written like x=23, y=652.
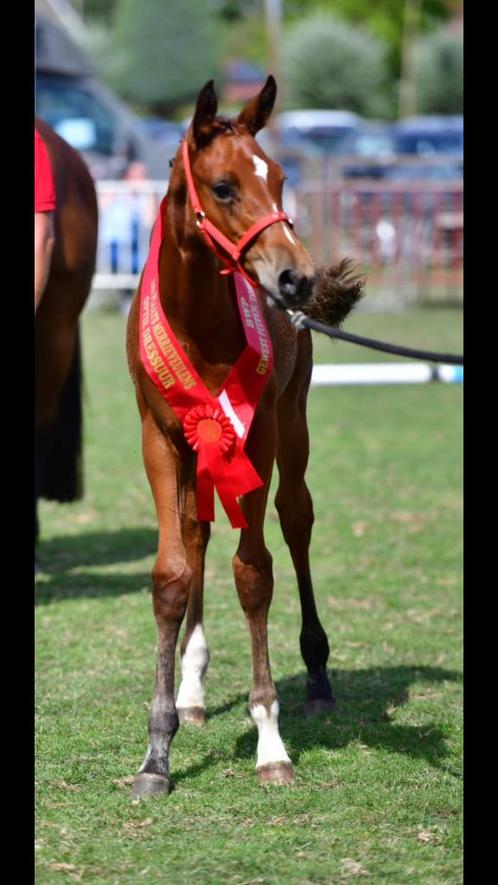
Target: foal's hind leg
x=295, y=510
x=190, y=701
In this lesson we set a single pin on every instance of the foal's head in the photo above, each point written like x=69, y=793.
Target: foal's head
x=238, y=185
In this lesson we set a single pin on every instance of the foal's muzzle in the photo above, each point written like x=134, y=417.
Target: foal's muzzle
x=294, y=289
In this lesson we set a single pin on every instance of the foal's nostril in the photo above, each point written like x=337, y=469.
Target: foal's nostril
x=288, y=283
x=294, y=289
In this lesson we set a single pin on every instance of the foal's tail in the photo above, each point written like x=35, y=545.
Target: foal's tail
x=62, y=476
x=336, y=291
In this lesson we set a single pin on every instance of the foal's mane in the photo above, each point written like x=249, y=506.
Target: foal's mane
x=221, y=126
x=226, y=125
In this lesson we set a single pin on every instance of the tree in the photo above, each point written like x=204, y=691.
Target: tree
x=330, y=64
x=439, y=73
x=95, y=10
x=165, y=51
x=383, y=18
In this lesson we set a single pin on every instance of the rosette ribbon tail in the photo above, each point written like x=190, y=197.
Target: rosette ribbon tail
x=232, y=476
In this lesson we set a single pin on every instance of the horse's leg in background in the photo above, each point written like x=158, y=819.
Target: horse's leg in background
x=58, y=407
x=171, y=578
x=295, y=510
x=44, y=444
x=252, y=566
x=190, y=701
x=40, y=459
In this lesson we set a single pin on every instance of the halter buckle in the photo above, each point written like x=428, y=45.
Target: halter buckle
x=199, y=217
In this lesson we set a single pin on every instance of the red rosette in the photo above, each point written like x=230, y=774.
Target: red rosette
x=208, y=424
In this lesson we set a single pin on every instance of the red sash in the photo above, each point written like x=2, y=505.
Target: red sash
x=216, y=426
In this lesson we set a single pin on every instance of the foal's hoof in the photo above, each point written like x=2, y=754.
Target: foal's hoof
x=318, y=706
x=192, y=715
x=276, y=773
x=147, y=784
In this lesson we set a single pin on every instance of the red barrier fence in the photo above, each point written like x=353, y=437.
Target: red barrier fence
x=408, y=238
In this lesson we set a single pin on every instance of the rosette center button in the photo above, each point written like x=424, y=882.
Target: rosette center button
x=209, y=430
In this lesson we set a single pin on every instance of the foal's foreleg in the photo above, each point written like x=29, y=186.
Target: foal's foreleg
x=295, y=510
x=171, y=578
x=190, y=700
x=252, y=566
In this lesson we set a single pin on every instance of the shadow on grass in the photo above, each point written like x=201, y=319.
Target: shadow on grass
x=365, y=703
x=59, y=557
x=365, y=698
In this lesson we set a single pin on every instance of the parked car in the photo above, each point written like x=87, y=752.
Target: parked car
x=296, y=138
x=427, y=136
x=164, y=130
x=318, y=130
x=372, y=149
x=373, y=138
x=70, y=98
x=403, y=151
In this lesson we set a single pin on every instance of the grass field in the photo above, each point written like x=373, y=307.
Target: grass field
x=378, y=784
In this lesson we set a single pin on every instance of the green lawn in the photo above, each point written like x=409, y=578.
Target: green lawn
x=378, y=784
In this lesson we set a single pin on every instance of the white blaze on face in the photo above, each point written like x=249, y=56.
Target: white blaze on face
x=261, y=167
x=287, y=232
x=194, y=666
x=289, y=235
x=270, y=744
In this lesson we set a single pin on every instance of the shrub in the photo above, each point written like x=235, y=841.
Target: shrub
x=330, y=64
x=438, y=63
x=163, y=52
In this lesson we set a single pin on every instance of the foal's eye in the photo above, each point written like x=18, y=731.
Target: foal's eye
x=222, y=190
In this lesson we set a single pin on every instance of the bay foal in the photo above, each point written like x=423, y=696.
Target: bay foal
x=237, y=185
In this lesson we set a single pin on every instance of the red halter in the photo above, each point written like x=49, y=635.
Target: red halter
x=214, y=236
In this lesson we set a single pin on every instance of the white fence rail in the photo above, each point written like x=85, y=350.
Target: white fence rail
x=339, y=374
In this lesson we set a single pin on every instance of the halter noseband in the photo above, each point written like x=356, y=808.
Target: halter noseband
x=214, y=236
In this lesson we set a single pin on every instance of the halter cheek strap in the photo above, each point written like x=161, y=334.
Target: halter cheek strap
x=214, y=237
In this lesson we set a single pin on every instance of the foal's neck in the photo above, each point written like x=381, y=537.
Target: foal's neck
x=194, y=296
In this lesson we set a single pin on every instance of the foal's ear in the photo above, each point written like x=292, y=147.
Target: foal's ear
x=255, y=114
x=205, y=113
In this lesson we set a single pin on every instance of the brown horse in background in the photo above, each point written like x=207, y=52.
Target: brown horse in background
x=238, y=185
x=58, y=418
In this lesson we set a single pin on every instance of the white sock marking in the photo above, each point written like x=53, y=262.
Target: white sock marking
x=194, y=666
x=270, y=744
x=261, y=167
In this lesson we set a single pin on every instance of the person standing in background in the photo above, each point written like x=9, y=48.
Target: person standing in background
x=45, y=201
x=126, y=221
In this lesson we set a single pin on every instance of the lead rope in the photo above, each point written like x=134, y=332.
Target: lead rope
x=300, y=321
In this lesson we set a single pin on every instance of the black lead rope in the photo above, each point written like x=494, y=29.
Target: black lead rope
x=301, y=321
